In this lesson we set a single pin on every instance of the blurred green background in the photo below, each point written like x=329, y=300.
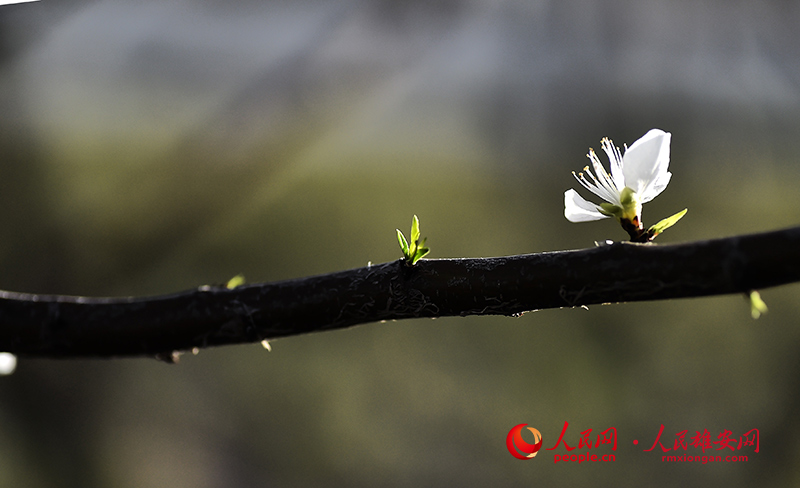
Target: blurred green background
x=155, y=146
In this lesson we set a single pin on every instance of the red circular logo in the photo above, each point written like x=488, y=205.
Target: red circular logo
x=517, y=445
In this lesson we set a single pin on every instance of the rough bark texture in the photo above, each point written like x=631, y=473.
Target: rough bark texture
x=64, y=326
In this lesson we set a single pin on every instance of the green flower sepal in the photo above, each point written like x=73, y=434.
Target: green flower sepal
x=664, y=224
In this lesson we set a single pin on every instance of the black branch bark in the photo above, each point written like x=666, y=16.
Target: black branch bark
x=67, y=326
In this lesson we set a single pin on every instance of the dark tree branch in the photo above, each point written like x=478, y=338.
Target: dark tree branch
x=64, y=326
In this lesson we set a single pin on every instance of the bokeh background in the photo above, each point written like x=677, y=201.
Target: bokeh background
x=154, y=146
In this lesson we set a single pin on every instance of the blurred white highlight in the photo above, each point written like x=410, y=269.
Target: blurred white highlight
x=11, y=2
x=8, y=363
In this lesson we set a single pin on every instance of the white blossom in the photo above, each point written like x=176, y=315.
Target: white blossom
x=636, y=177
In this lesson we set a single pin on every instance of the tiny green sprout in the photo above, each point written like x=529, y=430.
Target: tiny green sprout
x=416, y=250
x=757, y=305
x=237, y=280
x=664, y=224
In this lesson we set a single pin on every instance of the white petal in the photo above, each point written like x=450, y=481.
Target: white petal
x=576, y=209
x=646, y=162
x=656, y=187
